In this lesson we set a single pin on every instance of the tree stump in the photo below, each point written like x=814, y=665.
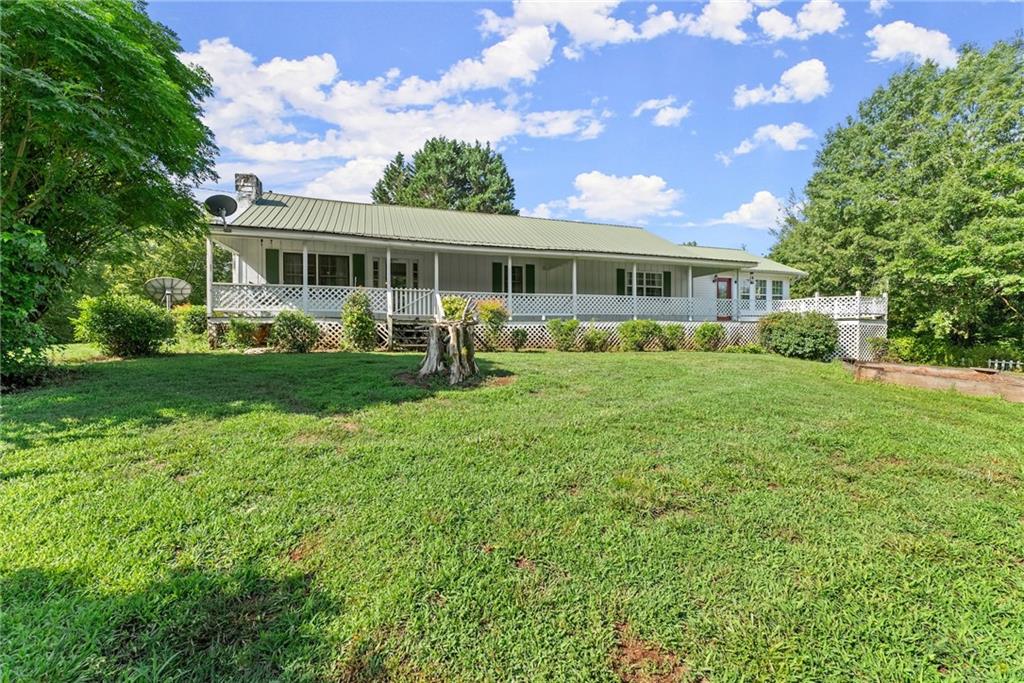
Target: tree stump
x=458, y=360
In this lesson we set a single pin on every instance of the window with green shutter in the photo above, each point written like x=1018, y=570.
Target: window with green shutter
x=273, y=266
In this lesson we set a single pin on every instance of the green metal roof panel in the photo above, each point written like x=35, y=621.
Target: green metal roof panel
x=277, y=211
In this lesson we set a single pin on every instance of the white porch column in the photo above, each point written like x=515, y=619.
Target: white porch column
x=736, y=297
x=387, y=274
x=508, y=285
x=437, y=287
x=575, y=296
x=689, y=289
x=209, y=277
x=305, y=278
x=636, y=303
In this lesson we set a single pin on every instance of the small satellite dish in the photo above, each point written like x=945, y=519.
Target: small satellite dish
x=168, y=290
x=221, y=205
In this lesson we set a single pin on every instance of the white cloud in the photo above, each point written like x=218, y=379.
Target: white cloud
x=816, y=16
x=788, y=138
x=876, y=7
x=719, y=19
x=903, y=40
x=352, y=181
x=665, y=113
x=620, y=199
x=589, y=24
x=261, y=112
x=762, y=212
x=801, y=83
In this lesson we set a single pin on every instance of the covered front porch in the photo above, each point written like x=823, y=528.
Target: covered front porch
x=271, y=274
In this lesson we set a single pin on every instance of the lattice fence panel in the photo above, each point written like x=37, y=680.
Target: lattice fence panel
x=538, y=337
x=331, y=335
x=838, y=307
x=601, y=305
x=536, y=305
x=854, y=336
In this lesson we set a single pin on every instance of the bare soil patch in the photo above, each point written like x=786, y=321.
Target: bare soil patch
x=639, y=661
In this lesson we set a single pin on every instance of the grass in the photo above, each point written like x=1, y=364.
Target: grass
x=639, y=517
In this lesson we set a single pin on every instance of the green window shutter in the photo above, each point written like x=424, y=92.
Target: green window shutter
x=273, y=267
x=497, y=282
x=666, y=283
x=620, y=281
x=530, y=279
x=358, y=270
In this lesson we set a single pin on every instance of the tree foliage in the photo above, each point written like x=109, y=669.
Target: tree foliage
x=922, y=195
x=449, y=174
x=101, y=141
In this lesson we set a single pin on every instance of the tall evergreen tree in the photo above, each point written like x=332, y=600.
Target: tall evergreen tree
x=922, y=195
x=449, y=174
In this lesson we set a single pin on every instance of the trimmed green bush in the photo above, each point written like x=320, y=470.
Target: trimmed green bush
x=709, y=336
x=672, y=337
x=563, y=333
x=452, y=306
x=518, y=336
x=595, y=339
x=634, y=335
x=189, y=319
x=493, y=315
x=242, y=333
x=123, y=324
x=294, y=331
x=811, y=336
x=358, y=329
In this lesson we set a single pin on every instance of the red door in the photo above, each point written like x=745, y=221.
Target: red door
x=723, y=292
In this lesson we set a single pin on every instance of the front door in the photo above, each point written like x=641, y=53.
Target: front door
x=405, y=274
x=723, y=292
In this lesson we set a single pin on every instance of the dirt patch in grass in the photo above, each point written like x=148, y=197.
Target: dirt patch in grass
x=499, y=381
x=526, y=564
x=639, y=661
x=306, y=546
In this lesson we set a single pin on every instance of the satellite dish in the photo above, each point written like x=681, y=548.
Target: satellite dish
x=221, y=205
x=168, y=290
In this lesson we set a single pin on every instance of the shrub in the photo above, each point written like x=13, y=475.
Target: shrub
x=811, y=336
x=123, y=324
x=358, y=329
x=634, y=335
x=242, y=333
x=452, y=306
x=294, y=331
x=493, y=315
x=563, y=333
x=189, y=319
x=672, y=337
x=518, y=335
x=595, y=339
x=745, y=348
x=709, y=336
x=879, y=348
x=930, y=351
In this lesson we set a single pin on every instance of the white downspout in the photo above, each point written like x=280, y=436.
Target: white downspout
x=209, y=277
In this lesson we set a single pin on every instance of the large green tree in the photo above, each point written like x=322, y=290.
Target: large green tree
x=921, y=194
x=101, y=141
x=449, y=174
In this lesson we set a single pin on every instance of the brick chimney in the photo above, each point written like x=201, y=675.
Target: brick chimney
x=248, y=188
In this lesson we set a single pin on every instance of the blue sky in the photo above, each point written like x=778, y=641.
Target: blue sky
x=695, y=120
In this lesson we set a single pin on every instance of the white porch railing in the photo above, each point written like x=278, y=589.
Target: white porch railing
x=855, y=307
x=323, y=301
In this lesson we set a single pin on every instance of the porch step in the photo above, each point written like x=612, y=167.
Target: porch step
x=410, y=335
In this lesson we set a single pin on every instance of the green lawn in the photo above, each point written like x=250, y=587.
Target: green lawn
x=576, y=517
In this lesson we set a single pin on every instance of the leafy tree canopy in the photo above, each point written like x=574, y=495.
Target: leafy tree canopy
x=449, y=174
x=922, y=195
x=101, y=141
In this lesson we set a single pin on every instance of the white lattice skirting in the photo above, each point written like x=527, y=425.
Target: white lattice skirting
x=853, y=335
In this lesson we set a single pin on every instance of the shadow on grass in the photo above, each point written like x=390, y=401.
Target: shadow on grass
x=190, y=625
x=150, y=392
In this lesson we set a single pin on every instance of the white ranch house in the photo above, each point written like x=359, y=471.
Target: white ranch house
x=291, y=252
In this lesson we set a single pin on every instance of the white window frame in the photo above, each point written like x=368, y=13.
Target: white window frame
x=657, y=276
x=777, y=296
x=314, y=272
x=760, y=290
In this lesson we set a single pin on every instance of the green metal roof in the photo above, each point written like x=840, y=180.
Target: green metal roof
x=275, y=211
